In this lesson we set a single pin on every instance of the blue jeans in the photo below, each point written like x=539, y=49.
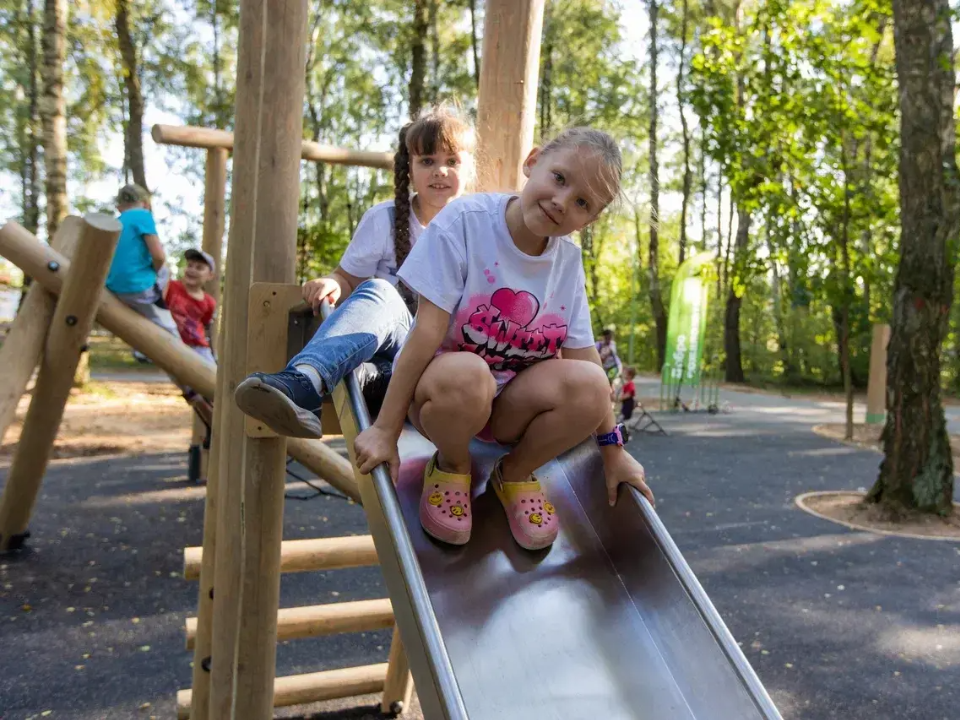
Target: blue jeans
x=365, y=332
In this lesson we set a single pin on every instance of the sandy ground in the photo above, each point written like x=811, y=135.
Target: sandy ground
x=849, y=509
x=868, y=436
x=108, y=418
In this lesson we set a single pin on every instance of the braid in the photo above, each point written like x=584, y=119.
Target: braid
x=401, y=198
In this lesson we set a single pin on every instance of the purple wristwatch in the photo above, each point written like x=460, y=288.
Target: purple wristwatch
x=614, y=437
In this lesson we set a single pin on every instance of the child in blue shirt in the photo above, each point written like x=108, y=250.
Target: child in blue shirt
x=138, y=274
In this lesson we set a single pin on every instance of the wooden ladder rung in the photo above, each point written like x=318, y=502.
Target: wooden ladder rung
x=305, y=555
x=313, y=687
x=316, y=620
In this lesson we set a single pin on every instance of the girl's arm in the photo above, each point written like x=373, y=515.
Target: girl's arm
x=155, y=248
x=378, y=444
x=619, y=466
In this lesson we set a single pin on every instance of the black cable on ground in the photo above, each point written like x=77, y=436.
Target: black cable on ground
x=317, y=489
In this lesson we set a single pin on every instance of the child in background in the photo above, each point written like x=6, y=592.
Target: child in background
x=192, y=308
x=138, y=272
x=435, y=157
x=502, y=289
x=607, y=347
x=628, y=395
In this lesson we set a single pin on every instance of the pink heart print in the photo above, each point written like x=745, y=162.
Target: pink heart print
x=517, y=307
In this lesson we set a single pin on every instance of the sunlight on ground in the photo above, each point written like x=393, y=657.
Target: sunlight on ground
x=108, y=418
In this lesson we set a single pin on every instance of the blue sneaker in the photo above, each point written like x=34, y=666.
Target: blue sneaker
x=285, y=401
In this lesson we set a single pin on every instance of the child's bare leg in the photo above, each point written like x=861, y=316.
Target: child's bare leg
x=548, y=409
x=452, y=404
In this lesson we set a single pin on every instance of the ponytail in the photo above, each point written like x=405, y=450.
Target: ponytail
x=401, y=198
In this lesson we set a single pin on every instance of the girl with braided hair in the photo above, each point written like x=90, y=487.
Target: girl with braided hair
x=502, y=291
x=434, y=160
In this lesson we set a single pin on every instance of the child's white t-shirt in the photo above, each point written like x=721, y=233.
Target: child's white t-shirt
x=510, y=308
x=371, y=251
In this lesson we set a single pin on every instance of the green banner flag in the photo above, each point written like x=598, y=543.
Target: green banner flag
x=688, y=320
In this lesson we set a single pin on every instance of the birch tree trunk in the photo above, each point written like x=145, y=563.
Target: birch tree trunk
x=53, y=112
x=133, y=131
x=653, y=264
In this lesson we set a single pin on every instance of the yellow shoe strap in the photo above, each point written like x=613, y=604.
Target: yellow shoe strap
x=435, y=474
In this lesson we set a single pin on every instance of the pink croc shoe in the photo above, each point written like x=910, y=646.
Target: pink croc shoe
x=533, y=520
x=445, y=511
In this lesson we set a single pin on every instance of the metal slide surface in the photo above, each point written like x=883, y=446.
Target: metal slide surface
x=608, y=623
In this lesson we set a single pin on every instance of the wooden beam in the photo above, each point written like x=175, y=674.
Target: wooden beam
x=23, y=346
x=317, y=620
x=165, y=350
x=304, y=555
x=69, y=328
x=313, y=687
x=507, y=107
x=207, y=138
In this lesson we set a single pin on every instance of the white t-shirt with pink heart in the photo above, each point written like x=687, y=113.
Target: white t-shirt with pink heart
x=510, y=308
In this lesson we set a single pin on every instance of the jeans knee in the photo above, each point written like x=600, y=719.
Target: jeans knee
x=377, y=286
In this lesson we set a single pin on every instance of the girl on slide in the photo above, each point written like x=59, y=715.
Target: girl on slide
x=502, y=290
x=435, y=156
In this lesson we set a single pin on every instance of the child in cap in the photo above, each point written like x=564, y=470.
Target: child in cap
x=192, y=308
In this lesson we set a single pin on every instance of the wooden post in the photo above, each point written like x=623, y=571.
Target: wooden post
x=507, y=105
x=877, y=384
x=274, y=260
x=23, y=346
x=69, y=328
x=214, y=202
x=266, y=189
x=399, y=683
x=228, y=561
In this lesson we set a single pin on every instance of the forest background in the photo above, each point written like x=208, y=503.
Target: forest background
x=766, y=132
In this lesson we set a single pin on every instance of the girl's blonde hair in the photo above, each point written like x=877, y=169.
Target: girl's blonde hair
x=599, y=142
x=437, y=129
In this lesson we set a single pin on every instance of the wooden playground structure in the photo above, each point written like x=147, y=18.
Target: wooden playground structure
x=236, y=630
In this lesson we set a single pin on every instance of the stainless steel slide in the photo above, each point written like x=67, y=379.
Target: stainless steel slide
x=609, y=623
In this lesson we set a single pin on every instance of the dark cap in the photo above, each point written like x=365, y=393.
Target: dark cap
x=194, y=254
x=132, y=194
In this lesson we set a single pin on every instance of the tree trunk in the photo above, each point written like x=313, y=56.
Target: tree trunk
x=546, y=77
x=434, y=53
x=53, y=112
x=731, y=322
x=917, y=470
x=418, y=59
x=704, y=188
x=783, y=341
x=721, y=271
x=591, y=254
x=846, y=295
x=473, y=42
x=133, y=132
x=681, y=101
x=653, y=265
x=30, y=140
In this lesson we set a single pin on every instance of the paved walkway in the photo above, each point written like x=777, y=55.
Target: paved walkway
x=839, y=624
